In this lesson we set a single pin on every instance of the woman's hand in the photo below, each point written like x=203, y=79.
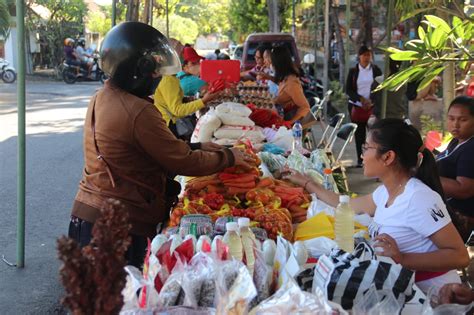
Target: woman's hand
x=295, y=177
x=455, y=293
x=388, y=247
x=242, y=159
x=211, y=146
x=210, y=96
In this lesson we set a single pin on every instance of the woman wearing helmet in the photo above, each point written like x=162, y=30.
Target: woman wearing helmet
x=70, y=54
x=129, y=151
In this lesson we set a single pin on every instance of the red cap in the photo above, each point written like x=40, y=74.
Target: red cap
x=190, y=55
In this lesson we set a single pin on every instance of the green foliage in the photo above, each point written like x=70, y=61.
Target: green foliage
x=209, y=15
x=339, y=98
x=246, y=17
x=98, y=23
x=101, y=22
x=438, y=43
x=4, y=19
x=429, y=124
x=66, y=20
x=183, y=29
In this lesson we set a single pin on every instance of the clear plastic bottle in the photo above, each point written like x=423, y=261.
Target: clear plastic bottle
x=297, y=136
x=232, y=239
x=344, y=225
x=248, y=243
x=327, y=184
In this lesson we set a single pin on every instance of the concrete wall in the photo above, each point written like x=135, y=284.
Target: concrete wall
x=11, y=49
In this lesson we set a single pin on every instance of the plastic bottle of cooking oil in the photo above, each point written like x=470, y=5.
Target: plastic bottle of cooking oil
x=248, y=241
x=344, y=225
x=232, y=239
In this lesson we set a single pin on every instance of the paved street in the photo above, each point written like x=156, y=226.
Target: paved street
x=54, y=119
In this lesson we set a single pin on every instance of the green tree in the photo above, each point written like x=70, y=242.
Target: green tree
x=183, y=29
x=65, y=20
x=211, y=16
x=4, y=18
x=440, y=42
x=247, y=16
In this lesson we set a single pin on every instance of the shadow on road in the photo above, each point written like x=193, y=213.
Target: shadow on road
x=54, y=165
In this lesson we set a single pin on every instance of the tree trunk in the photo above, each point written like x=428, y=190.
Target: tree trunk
x=132, y=10
x=369, y=40
x=145, y=17
x=340, y=45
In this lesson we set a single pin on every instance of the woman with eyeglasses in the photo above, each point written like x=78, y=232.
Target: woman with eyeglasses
x=258, y=68
x=290, y=91
x=410, y=221
x=456, y=167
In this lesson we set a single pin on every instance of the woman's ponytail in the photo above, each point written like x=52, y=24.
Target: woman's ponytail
x=427, y=172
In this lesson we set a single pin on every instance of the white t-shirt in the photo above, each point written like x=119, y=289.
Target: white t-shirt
x=365, y=80
x=416, y=214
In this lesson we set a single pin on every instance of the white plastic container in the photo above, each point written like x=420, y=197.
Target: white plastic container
x=344, y=225
x=232, y=239
x=248, y=243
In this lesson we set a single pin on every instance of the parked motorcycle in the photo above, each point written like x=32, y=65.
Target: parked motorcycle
x=70, y=75
x=7, y=72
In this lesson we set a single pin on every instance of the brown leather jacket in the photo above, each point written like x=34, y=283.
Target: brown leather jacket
x=141, y=152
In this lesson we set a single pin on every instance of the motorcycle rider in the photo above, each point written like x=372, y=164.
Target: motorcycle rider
x=129, y=151
x=72, y=58
x=84, y=57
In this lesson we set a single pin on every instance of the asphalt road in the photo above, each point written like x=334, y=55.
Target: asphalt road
x=54, y=119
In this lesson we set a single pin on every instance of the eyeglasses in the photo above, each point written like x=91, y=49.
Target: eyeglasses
x=365, y=147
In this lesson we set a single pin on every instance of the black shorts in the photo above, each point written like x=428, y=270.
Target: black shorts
x=81, y=232
x=73, y=62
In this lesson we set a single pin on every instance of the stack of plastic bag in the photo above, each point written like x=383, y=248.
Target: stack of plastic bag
x=236, y=125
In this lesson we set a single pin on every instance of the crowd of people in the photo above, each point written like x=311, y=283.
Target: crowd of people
x=132, y=152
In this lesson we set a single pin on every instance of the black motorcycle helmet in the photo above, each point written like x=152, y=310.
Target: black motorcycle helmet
x=81, y=42
x=132, y=52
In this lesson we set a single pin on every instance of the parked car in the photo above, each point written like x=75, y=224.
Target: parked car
x=236, y=53
x=270, y=40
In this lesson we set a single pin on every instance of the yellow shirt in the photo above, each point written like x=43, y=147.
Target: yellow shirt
x=169, y=100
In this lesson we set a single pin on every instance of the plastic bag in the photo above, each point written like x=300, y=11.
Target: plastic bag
x=136, y=283
x=275, y=163
x=433, y=307
x=233, y=120
x=283, y=138
x=377, y=302
x=320, y=246
x=235, y=288
x=319, y=160
x=290, y=299
x=205, y=127
x=262, y=278
x=235, y=109
x=343, y=277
